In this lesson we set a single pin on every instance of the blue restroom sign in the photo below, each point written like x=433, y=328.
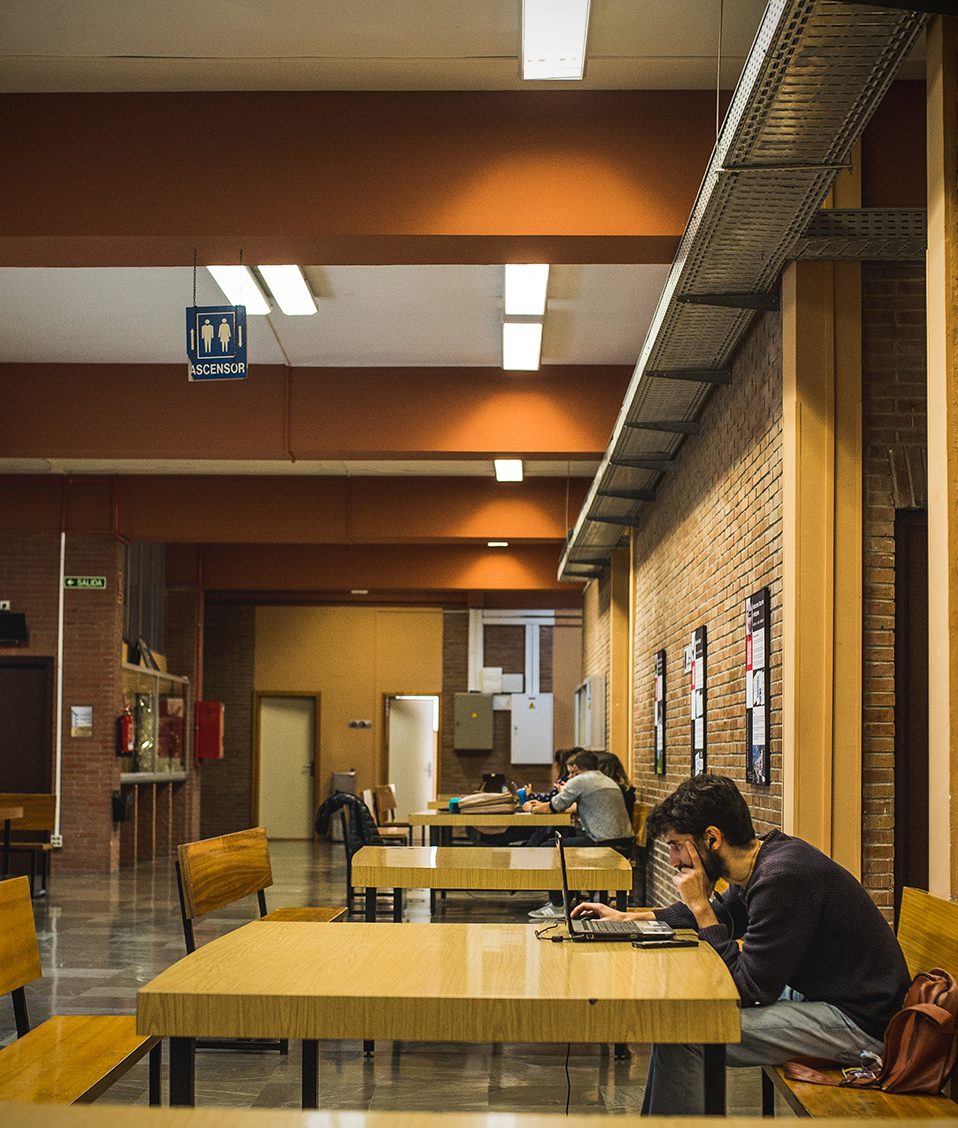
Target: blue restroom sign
x=216, y=342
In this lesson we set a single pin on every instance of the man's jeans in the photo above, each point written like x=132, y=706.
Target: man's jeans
x=769, y=1036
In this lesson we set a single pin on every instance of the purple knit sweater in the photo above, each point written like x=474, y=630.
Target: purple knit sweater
x=806, y=923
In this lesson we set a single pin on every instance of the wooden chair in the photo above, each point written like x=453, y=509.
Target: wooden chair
x=68, y=1058
x=384, y=798
x=928, y=934
x=388, y=831
x=216, y=872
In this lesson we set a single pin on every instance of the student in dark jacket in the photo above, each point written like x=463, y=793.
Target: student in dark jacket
x=819, y=969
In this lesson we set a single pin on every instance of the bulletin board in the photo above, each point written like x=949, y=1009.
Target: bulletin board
x=659, y=713
x=757, y=704
x=699, y=673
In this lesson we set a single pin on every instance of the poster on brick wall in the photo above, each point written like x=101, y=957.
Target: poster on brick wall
x=659, y=716
x=698, y=704
x=757, y=705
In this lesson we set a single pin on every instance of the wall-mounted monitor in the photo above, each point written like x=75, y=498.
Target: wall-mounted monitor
x=13, y=627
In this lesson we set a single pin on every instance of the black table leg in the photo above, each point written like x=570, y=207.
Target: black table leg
x=156, y=1068
x=768, y=1095
x=6, y=849
x=310, y=1073
x=370, y=904
x=183, y=1071
x=714, y=1079
x=397, y=905
x=622, y=900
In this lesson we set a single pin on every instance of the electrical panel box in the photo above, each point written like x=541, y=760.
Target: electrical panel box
x=532, y=728
x=590, y=714
x=209, y=730
x=473, y=722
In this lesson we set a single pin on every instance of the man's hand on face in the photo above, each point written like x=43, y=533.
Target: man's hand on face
x=692, y=882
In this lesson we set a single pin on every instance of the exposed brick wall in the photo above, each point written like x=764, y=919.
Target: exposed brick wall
x=597, y=627
x=229, y=639
x=92, y=635
x=713, y=537
x=894, y=412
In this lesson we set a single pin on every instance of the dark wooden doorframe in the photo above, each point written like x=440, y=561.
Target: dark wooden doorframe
x=911, y=701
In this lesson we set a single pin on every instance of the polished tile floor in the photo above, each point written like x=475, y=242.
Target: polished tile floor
x=101, y=938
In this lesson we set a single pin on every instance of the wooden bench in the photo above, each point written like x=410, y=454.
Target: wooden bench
x=68, y=1058
x=39, y=818
x=928, y=934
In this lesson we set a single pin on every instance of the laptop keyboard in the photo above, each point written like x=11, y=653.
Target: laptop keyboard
x=626, y=926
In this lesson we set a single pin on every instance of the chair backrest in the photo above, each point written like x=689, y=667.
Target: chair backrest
x=39, y=810
x=385, y=804
x=218, y=871
x=370, y=800
x=928, y=932
x=19, y=954
x=640, y=813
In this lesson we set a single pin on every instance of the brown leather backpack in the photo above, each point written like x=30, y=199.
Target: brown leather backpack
x=921, y=1043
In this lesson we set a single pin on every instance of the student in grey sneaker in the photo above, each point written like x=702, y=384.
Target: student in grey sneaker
x=601, y=809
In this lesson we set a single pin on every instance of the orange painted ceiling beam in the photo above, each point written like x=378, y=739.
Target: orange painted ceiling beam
x=307, y=510
x=319, y=177
x=336, y=570
x=153, y=411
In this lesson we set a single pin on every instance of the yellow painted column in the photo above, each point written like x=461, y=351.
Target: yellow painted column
x=822, y=567
x=942, y=298
x=620, y=660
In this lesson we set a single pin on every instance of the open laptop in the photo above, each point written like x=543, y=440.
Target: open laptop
x=625, y=930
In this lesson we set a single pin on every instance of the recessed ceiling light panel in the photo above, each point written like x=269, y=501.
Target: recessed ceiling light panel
x=240, y=288
x=521, y=345
x=526, y=285
x=554, y=34
x=508, y=469
x=288, y=287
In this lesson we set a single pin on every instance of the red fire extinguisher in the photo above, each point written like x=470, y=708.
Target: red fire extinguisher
x=125, y=733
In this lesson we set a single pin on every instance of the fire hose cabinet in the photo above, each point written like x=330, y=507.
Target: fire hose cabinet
x=209, y=730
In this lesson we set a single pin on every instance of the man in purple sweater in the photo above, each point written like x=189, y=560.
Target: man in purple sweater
x=819, y=970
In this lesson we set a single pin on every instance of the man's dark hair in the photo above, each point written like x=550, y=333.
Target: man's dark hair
x=702, y=801
x=586, y=761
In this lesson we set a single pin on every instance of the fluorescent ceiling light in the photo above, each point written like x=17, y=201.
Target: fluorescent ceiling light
x=553, y=38
x=508, y=469
x=240, y=288
x=288, y=287
x=525, y=288
x=521, y=345
x=497, y=544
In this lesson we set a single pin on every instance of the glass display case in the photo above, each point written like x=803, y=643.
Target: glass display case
x=159, y=705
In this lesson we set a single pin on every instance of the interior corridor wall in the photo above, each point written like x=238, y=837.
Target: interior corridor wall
x=712, y=538
x=351, y=656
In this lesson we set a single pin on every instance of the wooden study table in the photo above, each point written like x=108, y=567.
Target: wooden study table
x=486, y=867
x=431, y=982
x=102, y=1115
x=8, y=814
x=442, y=823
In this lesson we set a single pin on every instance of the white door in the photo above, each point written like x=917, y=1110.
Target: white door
x=412, y=735
x=287, y=747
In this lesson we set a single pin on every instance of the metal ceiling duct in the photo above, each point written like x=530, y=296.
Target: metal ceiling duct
x=815, y=74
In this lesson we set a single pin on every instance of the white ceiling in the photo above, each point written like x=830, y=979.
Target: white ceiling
x=58, y=45
x=368, y=315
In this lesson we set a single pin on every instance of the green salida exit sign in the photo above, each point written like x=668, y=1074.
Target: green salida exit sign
x=89, y=583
